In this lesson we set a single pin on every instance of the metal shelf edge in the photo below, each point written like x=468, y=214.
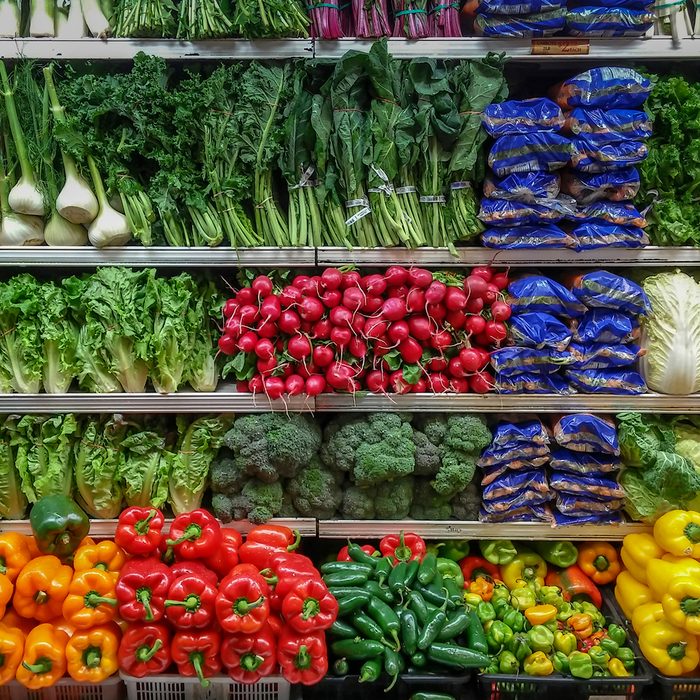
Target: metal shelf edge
x=329, y=529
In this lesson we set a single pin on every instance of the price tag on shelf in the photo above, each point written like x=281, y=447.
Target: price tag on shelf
x=560, y=47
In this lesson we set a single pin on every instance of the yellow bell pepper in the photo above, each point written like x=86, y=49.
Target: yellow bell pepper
x=540, y=614
x=617, y=669
x=681, y=603
x=538, y=664
x=644, y=615
x=660, y=573
x=668, y=648
x=637, y=550
x=678, y=532
x=527, y=569
x=630, y=593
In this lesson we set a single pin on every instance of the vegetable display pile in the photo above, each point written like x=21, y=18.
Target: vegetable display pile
x=112, y=331
x=400, y=331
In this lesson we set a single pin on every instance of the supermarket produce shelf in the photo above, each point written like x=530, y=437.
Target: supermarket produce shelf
x=457, y=530
x=136, y=256
x=106, y=528
x=656, y=256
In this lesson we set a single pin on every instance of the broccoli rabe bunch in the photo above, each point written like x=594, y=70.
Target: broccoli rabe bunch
x=372, y=448
x=447, y=448
x=315, y=491
x=388, y=501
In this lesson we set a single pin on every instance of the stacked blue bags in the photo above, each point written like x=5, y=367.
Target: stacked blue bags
x=520, y=18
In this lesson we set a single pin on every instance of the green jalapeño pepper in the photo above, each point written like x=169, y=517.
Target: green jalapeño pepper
x=498, y=635
x=519, y=646
x=565, y=642
x=626, y=655
x=485, y=612
x=617, y=634
x=59, y=525
x=500, y=592
x=522, y=598
x=561, y=662
x=580, y=665
x=515, y=620
x=455, y=549
x=599, y=657
x=507, y=663
x=540, y=639
x=427, y=569
x=449, y=570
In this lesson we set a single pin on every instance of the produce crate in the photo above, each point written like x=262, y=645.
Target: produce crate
x=175, y=687
x=350, y=688
x=66, y=689
x=677, y=687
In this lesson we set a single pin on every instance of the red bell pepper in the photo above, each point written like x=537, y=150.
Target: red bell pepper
x=303, y=658
x=406, y=546
x=182, y=568
x=242, y=603
x=344, y=556
x=197, y=654
x=190, y=603
x=474, y=566
x=144, y=650
x=139, y=530
x=286, y=568
x=141, y=590
x=264, y=541
x=309, y=606
x=275, y=624
x=249, y=657
x=195, y=535
x=226, y=556
x=574, y=585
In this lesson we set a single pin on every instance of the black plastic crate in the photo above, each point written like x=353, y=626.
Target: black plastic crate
x=350, y=688
x=677, y=687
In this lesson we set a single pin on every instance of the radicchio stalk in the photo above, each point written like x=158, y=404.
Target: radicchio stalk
x=444, y=19
x=411, y=19
x=371, y=18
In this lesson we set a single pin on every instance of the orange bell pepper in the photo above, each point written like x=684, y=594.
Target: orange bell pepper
x=91, y=599
x=44, y=658
x=581, y=625
x=599, y=561
x=11, y=650
x=91, y=655
x=14, y=554
x=41, y=588
x=60, y=623
x=12, y=619
x=32, y=546
x=540, y=614
x=482, y=587
x=104, y=555
x=6, y=590
x=86, y=542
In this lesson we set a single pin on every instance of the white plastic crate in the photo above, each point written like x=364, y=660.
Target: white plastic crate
x=175, y=687
x=66, y=689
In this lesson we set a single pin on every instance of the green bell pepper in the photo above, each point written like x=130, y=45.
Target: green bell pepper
x=498, y=635
x=551, y=595
x=518, y=646
x=540, y=639
x=450, y=571
x=523, y=598
x=562, y=554
x=485, y=612
x=561, y=662
x=59, y=525
x=498, y=552
x=565, y=642
x=514, y=619
x=565, y=612
x=455, y=549
x=626, y=655
x=580, y=665
x=617, y=634
x=599, y=657
x=609, y=645
x=507, y=663
x=493, y=667
x=500, y=592
x=502, y=607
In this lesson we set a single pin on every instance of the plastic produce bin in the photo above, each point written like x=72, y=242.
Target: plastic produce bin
x=176, y=687
x=66, y=689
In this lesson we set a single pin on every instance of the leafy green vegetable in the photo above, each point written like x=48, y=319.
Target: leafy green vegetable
x=13, y=502
x=144, y=468
x=641, y=437
x=60, y=339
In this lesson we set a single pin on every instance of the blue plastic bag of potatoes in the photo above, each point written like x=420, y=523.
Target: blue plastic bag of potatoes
x=606, y=88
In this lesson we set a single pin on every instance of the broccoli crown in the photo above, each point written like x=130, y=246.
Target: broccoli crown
x=455, y=473
x=434, y=425
x=467, y=433
x=227, y=474
x=273, y=445
x=466, y=504
x=392, y=499
x=314, y=491
x=258, y=501
x=358, y=504
x=288, y=510
x=427, y=504
x=427, y=454
x=222, y=506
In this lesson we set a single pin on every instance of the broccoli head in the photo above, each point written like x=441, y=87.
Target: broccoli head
x=466, y=504
x=227, y=475
x=427, y=504
x=358, y=504
x=258, y=501
x=315, y=492
x=273, y=445
x=467, y=433
x=427, y=454
x=433, y=425
x=288, y=510
x=392, y=499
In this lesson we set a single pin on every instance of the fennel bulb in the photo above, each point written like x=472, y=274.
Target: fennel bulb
x=76, y=201
x=9, y=19
x=95, y=19
x=60, y=231
x=71, y=25
x=21, y=229
x=671, y=334
x=26, y=198
x=41, y=20
x=109, y=228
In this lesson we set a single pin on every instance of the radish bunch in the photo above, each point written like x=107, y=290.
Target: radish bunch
x=406, y=330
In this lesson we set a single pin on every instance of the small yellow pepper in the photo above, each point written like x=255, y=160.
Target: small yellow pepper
x=681, y=603
x=630, y=593
x=540, y=614
x=670, y=649
x=646, y=614
x=660, y=573
x=538, y=664
x=581, y=625
x=44, y=659
x=637, y=550
x=482, y=587
x=617, y=669
x=91, y=655
x=472, y=599
x=104, y=555
x=678, y=532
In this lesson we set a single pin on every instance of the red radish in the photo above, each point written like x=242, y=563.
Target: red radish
x=262, y=286
x=270, y=308
x=357, y=347
x=245, y=295
x=441, y=340
x=340, y=316
x=459, y=385
x=398, y=384
x=377, y=381
x=287, y=370
x=496, y=331
x=294, y=385
x=454, y=368
x=500, y=311
x=436, y=312
x=396, y=276
x=382, y=346
x=247, y=342
x=230, y=307
x=279, y=345
x=243, y=387
x=397, y=292
x=411, y=351
x=455, y=299
x=474, y=287
x=470, y=360
x=274, y=387
x=437, y=364
x=483, y=272
x=399, y=331
x=265, y=349
x=419, y=387
x=415, y=300
x=267, y=329
x=227, y=344
x=475, y=325
x=301, y=282
x=233, y=326
x=341, y=336
x=482, y=339
x=419, y=327
x=255, y=384
x=331, y=278
x=323, y=355
x=306, y=370
x=353, y=298
x=484, y=355
x=500, y=279
x=438, y=383
x=351, y=278
x=290, y=296
x=374, y=285
x=316, y=285
x=340, y=375
x=435, y=293
x=299, y=347
x=419, y=277
x=372, y=305
x=375, y=328
x=481, y=382
x=475, y=306
x=267, y=366
x=491, y=294
x=331, y=298
x=247, y=313
x=393, y=309
x=456, y=319
x=321, y=329
x=310, y=309
x=315, y=385
x=358, y=324
x=289, y=322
